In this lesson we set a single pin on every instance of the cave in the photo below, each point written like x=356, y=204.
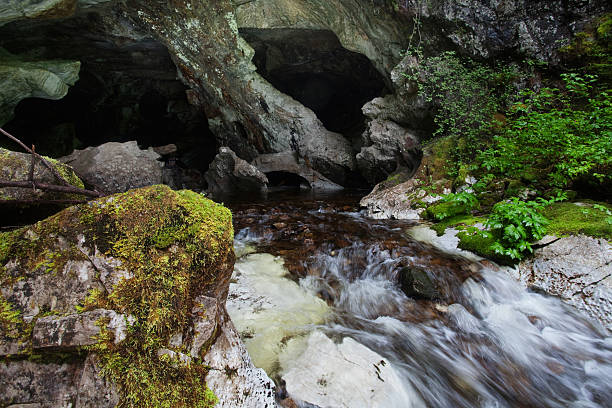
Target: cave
x=128, y=89
x=312, y=67
x=284, y=180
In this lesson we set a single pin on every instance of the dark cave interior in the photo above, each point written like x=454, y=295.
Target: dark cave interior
x=312, y=67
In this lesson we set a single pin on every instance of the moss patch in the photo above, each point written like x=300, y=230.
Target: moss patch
x=481, y=245
x=442, y=211
x=458, y=222
x=570, y=218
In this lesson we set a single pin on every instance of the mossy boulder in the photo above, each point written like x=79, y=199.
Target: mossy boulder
x=130, y=287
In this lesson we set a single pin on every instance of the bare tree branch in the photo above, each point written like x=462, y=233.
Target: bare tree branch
x=49, y=187
x=42, y=159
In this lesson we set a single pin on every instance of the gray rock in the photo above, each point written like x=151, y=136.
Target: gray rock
x=22, y=78
x=233, y=377
x=288, y=163
x=77, y=330
x=387, y=147
x=30, y=384
x=392, y=202
x=116, y=167
x=416, y=282
x=228, y=173
x=578, y=269
x=208, y=312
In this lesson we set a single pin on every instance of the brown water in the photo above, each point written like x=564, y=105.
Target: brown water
x=472, y=337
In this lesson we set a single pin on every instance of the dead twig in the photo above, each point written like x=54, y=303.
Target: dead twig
x=66, y=187
x=39, y=157
x=49, y=187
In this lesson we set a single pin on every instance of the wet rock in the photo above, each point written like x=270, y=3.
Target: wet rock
x=116, y=167
x=69, y=282
x=486, y=29
x=343, y=375
x=576, y=268
x=392, y=202
x=267, y=307
x=165, y=150
x=22, y=78
x=228, y=173
x=78, y=329
x=416, y=283
x=207, y=311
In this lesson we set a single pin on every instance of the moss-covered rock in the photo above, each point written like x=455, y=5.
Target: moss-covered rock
x=588, y=218
x=144, y=273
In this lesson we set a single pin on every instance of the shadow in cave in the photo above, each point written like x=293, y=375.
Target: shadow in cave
x=127, y=90
x=312, y=67
x=282, y=180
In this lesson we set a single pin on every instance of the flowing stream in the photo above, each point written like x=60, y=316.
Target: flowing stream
x=319, y=295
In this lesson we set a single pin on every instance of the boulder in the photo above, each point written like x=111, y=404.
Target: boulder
x=578, y=269
x=387, y=147
x=22, y=78
x=116, y=167
x=131, y=285
x=228, y=173
x=392, y=202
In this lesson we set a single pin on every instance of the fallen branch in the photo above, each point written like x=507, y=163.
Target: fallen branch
x=39, y=157
x=36, y=201
x=30, y=183
x=49, y=187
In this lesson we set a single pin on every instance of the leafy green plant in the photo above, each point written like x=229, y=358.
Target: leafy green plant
x=514, y=224
x=561, y=136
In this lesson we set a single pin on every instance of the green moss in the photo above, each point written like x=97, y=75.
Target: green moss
x=173, y=244
x=458, y=221
x=442, y=211
x=10, y=320
x=481, y=245
x=569, y=218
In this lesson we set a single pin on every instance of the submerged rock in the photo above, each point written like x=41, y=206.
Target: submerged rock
x=228, y=173
x=117, y=167
x=268, y=308
x=139, y=278
x=343, y=375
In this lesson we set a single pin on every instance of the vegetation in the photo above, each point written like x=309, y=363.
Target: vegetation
x=524, y=145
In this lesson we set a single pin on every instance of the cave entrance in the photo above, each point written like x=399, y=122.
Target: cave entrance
x=287, y=180
x=127, y=90
x=312, y=67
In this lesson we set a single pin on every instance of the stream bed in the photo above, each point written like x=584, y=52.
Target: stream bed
x=345, y=311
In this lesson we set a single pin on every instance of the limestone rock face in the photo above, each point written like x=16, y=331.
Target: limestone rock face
x=140, y=278
x=117, y=167
x=486, y=29
x=24, y=78
x=388, y=146
x=228, y=173
x=576, y=268
x=287, y=162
